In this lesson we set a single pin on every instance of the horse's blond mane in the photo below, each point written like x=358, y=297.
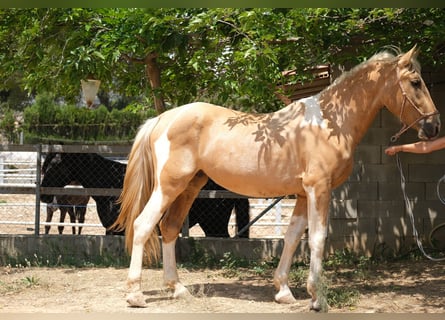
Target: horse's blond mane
x=383, y=56
x=390, y=54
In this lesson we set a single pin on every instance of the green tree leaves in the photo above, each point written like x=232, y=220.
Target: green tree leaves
x=230, y=56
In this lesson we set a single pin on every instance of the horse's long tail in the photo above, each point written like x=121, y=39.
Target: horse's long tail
x=137, y=189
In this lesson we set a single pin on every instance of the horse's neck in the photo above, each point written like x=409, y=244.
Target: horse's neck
x=101, y=172
x=352, y=104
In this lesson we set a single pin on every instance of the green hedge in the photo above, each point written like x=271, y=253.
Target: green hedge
x=47, y=121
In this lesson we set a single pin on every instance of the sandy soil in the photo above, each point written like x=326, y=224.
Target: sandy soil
x=414, y=286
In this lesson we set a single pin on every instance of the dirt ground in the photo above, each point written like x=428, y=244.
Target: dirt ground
x=410, y=286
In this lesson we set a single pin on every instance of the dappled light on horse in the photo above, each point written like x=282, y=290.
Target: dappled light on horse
x=263, y=155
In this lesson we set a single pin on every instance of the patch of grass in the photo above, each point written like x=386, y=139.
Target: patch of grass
x=18, y=285
x=346, y=258
x=31, y=281
x=298, y=276
x=60, y=260
x=199, y=258
x=342, y=297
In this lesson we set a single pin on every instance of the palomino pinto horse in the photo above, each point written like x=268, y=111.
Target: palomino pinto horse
x=263, y=155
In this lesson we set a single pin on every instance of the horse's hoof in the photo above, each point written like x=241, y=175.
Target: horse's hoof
x=181, y=292
x=136, y=299
x=318, y=307
x=285, y=297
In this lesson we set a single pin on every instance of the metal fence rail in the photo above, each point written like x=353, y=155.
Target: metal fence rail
x=20, y=179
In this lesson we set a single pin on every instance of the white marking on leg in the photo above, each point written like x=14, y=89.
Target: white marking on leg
x=169, y=263
x=292, y=237
x=171, y=278
x=143, y=227
x=317, y=237
x=162, y=151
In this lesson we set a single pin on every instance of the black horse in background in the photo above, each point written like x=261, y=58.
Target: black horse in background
x=92, y=170
x=213, y=214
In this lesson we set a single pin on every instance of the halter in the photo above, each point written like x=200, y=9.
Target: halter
x=423, y=115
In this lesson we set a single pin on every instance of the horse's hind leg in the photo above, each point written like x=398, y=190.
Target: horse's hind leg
x=80, y=214
x=63, y=211
x=294, y=232
x=72, y=215
x=49, y=216
x=170, y=226
x=143, y=226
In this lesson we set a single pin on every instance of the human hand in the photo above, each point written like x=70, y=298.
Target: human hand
x=390, y=151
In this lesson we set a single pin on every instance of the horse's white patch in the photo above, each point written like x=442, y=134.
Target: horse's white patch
x=317, y=235
x=162, y=145
x=169, y=260
x=296, y=226
x=162, y=150
x=313, y=214
x=312, y=112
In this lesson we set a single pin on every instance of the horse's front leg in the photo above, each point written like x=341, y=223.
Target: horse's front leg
x=292, y=237
x=318, y=206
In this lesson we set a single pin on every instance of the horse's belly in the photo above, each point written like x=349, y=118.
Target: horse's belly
x=258, y=185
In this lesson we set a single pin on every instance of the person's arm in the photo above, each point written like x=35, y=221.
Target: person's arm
x=417, y=147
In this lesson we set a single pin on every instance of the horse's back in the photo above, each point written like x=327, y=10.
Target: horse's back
x=238, y=150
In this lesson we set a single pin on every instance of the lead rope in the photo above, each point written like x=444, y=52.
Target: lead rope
x=410, y=212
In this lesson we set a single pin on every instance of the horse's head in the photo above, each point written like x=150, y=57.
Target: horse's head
x=412, y=101
x=56, y=173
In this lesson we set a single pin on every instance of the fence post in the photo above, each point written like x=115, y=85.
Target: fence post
x=2, y=171
x=38, y=175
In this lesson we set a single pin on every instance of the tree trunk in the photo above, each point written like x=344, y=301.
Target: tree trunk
x=153, y=73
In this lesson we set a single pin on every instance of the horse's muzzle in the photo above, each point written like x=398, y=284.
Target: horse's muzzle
x=429, y=127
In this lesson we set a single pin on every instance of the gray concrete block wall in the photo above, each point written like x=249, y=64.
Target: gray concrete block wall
x=368, y=212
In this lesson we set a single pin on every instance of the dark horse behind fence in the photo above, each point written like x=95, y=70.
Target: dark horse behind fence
x=213, y=214
x=94, y=171
x=91, y=171
x=75, y=206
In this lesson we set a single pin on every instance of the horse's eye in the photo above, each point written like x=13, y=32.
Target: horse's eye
x=416, y=83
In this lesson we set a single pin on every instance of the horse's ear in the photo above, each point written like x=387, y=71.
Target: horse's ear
x=406, y=60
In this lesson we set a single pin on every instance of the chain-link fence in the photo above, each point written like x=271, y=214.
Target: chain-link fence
x=85, y=181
